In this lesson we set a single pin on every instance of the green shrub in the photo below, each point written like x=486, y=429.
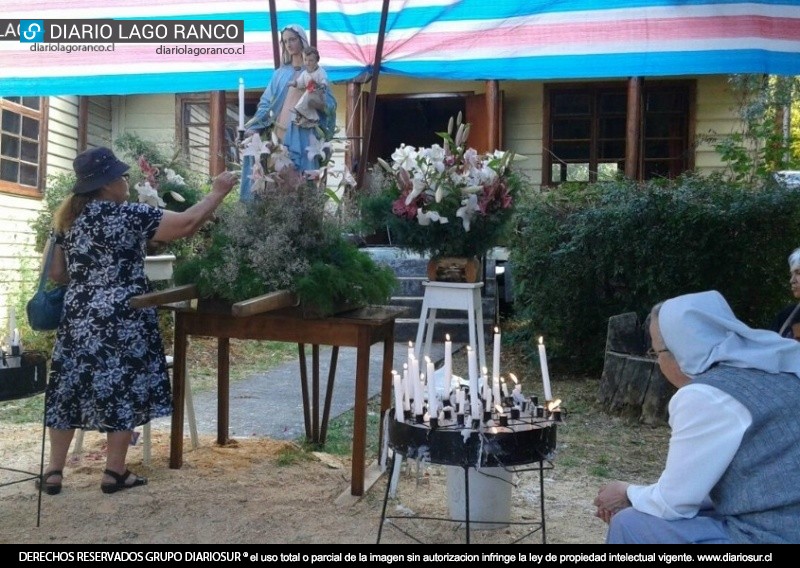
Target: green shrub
x=581, y=255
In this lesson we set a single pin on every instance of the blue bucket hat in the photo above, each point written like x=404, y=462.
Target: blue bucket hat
x=95, y=168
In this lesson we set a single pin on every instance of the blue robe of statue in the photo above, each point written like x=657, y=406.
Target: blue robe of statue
x=296, y=139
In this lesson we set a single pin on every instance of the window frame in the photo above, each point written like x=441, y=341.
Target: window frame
x=621, y=87
x=231, y=116
x=41, y=115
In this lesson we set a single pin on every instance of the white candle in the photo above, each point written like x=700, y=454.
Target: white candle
x=15, y=338
x=410, y=351
x=448, y=361
x=413, y=376
x=496, y=354
x=407, y=388
x=496, y=390
x=398, y=396
x=474, y=408
x=432, y=406
x=503, y=388
x=418, y=399
x=487, y=389
x=545, y=373
x=241, y=103
x=460, y=401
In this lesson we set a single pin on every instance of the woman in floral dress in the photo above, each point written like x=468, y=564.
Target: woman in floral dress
x=108, y=366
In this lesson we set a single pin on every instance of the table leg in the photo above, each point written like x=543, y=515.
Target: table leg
x=223, y=389
x=329, y=393
x=178, y=382
x=301, y=352
x=314, y=394
x=360, y=412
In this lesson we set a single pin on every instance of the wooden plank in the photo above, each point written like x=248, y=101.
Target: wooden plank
x=177, y=294
x=265, y=303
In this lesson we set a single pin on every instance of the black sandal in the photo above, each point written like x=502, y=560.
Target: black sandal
x=47, y=486
x=120, y=484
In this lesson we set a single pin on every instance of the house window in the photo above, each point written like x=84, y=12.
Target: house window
x=22, y=136
x=195, y=129
x=585, y=138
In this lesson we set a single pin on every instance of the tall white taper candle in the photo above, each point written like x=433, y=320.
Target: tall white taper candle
x=398, y=396
x=545, y=373
x=496, y=354
x=474, y=405
x=241, y=103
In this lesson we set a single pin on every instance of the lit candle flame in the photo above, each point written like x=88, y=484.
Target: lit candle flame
x=447, y=337
x=498, y=408
x=513, y=378
x=541, y=340
x=553, y=405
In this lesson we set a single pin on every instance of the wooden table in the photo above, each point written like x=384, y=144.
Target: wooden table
x=359, y=328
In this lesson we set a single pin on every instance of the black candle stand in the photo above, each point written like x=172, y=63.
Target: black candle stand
x=525, y=441
x=25, y=381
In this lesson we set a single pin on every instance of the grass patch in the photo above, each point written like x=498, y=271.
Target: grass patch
x=22, y=411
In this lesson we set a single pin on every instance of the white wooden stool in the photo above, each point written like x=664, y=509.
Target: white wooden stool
x=451, y=296
x=446, y=296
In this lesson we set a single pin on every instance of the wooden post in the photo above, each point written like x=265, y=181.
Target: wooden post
x=633, y=128
x=217, y=150
x=273, y=22
x=493, y=114
x=373, y=93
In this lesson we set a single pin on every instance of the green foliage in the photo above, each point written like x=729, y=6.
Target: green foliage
x=58, y=187
x=284, y=240
x=760, y=147
x=579, y=258
x=346, y=275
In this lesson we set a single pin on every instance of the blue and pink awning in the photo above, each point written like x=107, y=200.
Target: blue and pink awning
x=445, y=39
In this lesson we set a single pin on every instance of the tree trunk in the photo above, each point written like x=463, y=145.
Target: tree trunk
x=632, y=384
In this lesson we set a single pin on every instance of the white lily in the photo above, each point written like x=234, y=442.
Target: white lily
x=317, y=148
x=405, y=157
x=254, y=146
x=439, y=194
x=280, y=159
x=172, y=177
x=148, y=195
x=425, y=218
x=418, y=185
x=467, y=210
x=384, y=164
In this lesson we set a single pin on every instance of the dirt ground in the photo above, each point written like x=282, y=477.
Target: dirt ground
x=259, y=490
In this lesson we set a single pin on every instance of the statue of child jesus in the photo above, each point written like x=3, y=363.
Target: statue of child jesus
x=313, y=81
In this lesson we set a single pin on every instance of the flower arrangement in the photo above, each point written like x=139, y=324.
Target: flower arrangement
x=443, y=201
x=161, y=181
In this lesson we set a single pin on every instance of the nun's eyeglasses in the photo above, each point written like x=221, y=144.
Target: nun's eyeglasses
x=656, y=352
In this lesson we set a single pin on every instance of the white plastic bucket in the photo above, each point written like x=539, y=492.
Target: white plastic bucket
x=489, y=496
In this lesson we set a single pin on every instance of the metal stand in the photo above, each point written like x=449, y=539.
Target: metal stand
x=529, y=443
x=24, y=382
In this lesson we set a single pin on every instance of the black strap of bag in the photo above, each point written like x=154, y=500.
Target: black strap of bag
x=51, y=244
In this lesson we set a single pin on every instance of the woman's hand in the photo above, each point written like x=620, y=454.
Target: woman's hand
x=611, y=498
x=224, y=182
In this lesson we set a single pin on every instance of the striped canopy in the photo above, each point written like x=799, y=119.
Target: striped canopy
x=445, y=39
